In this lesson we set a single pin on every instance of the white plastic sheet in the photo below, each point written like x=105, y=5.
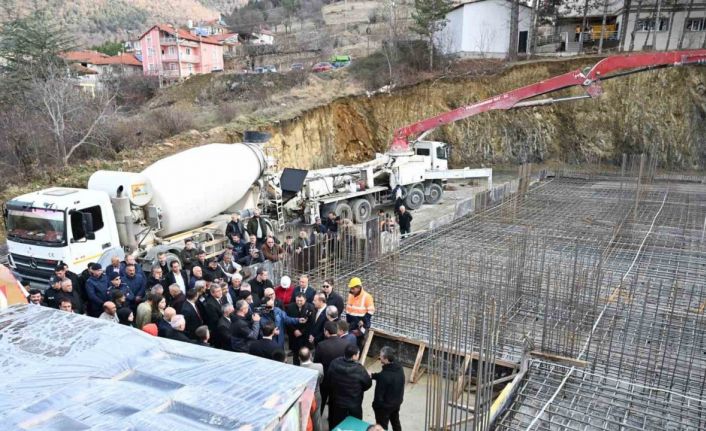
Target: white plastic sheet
x=60, y=371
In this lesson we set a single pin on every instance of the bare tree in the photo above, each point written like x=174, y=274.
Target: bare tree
x=71, y=115
x=689, y=8
x=514, y=30
x=634, y=27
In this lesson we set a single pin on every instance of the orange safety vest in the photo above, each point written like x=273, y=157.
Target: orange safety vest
x=360, y=305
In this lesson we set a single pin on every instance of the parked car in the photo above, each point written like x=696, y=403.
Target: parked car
x=266, y=69
x=322, y=67
x=296, y=66
x=339, y=61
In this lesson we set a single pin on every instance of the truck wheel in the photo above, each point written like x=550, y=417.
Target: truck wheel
x=344, y=210
x=415, y=199
x=435, y=193
x=361, y=210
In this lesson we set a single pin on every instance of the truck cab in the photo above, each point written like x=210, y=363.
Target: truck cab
x=438, y=153
x=69, y=225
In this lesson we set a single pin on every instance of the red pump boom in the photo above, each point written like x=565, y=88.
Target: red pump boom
x=610, y=67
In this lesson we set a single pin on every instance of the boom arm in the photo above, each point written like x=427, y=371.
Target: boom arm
x=610, y=67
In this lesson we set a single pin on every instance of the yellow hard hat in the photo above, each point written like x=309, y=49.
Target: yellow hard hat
x=355, y=281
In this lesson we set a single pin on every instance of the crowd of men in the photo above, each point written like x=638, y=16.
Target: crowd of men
x=213, y=302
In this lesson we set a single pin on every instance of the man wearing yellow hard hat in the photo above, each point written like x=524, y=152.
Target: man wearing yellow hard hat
x=359, y=309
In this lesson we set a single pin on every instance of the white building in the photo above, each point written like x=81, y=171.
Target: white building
x=481, y=28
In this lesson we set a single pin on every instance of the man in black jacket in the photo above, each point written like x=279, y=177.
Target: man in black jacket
x=404, y=219
x=389, y=390
x=68, y=292
x=304, y=289
x=326, y=352
x=177, y=276
x=189, y=254
x=192, y=314
x=299, y=334
x=332, y=298
x=235, y=226
x=257, y=228
x=316, y=333
x=261, y=282
x=221, y=338
x=212, y=307
x=265, y=347
x=346, y=381
x=242, y=331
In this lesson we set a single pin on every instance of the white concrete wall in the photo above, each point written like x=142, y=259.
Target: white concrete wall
x=480, y=29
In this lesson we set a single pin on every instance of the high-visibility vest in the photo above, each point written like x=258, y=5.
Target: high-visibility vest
x=360, y=305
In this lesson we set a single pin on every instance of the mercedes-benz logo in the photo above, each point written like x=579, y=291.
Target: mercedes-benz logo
x=33, y=263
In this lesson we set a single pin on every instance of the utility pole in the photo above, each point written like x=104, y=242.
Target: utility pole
x=178, y=48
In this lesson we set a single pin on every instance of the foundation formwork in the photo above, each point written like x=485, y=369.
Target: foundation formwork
x=599, y=278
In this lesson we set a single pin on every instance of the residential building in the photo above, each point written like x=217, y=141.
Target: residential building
x=262, y=37
x=92, y=67
x=650, y=24
x=231, y=43
x=481, y=28
x=213, y=27
x=176, y=53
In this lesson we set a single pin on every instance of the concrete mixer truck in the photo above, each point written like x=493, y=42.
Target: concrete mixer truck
x=143, y=214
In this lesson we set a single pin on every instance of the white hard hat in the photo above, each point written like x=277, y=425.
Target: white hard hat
x=285, y=282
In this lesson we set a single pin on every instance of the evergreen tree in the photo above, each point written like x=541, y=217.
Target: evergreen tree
x=429, y=16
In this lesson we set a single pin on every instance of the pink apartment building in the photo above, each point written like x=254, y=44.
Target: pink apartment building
x=176, y=53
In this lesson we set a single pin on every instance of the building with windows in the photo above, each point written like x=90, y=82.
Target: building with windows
x=481, y=28
x=174, y=53
x=643, y=25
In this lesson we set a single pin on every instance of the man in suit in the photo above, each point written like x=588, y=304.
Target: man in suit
x=212, y=307
x=177, y=276
x=343, y=333
x=192, y=314
x=316, y=333
x=265, y=347
x=202, y=336
x=332, y=298
x=299, y=334
x=331, y=348
x=177, y=297
x=346, y=381
x=221, y=338
x=304, y=356
x=243, y=332
x=305, y=289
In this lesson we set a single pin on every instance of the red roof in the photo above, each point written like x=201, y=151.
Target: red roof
x=98, y=58
x=183, y=34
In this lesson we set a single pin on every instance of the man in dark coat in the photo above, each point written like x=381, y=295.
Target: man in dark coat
x=257, y=228
x=261, y=282
x=316, y=331
x=52, y=295
x=304, y=289
x=97, y=290
x=389, y=390
x=326, y=351
x=212, y=307
x=213, y=271
x=243, y=332
x=346, y=381
x=202, y=336
x=188, y=254
x=404, y=219
x=192, y=314
x=156, y=277
x=266, y=346
x=332, y=298
x=235, y=226
x=221, y=338
x=117, y=284
x=299, y=334
x=137, y=284
x=68, y=292
x=177, y=276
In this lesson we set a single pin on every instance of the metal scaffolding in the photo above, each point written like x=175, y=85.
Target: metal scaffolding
x=599, y=276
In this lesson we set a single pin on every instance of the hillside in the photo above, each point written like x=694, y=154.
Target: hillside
x=94, y=21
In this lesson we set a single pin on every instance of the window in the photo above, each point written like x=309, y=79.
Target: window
x=441, y=153
x=188, y=51
x=649, y=24
x=191, y=68
x=149, y=40
x=696, y=24
x=423, y=152
x=78, y=228
x=150, y=52
x=172, y=50
x=172, y=66
x=151, y=67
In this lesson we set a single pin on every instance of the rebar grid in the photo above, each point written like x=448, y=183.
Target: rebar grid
x=607, y=268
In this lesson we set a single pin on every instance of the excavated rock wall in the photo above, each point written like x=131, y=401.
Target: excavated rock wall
x=661, y=111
